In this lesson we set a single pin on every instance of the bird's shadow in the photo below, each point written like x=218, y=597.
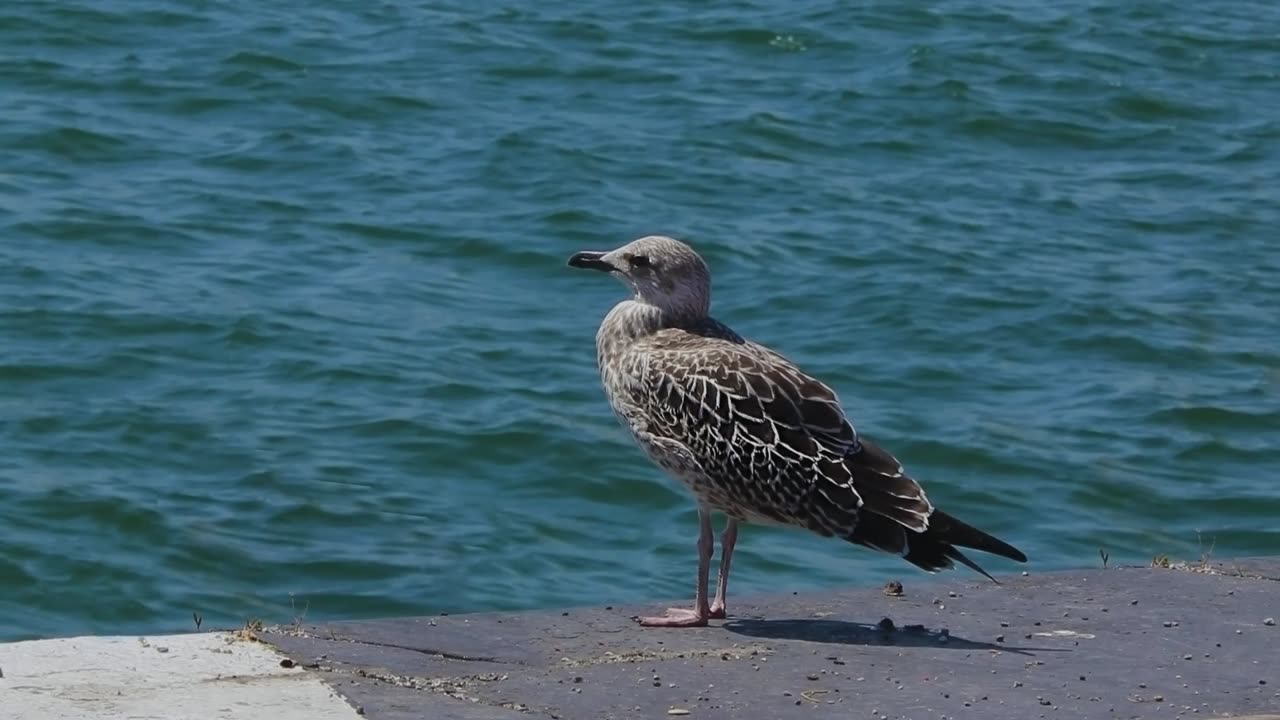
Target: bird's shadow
x=843, y=632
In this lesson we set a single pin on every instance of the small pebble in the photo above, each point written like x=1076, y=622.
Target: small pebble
x=1158, y=698
x=951, y=593
x=1004, y=624
x=1017, y=683
x=1186, y=657
x=1171, y=623
x=1269, y=621
x=577, y=679
x=286, y=663
x=812, y=677
x=893, y=588
x=677, y=711
x=1133, y=602
x=999, y=638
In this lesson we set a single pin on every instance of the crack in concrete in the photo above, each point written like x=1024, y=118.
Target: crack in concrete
x=447, y=655
x=1218, y=568
x=634, y=656
x=453, y=687
x=438, y=653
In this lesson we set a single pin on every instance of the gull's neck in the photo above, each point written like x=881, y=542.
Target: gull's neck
x=627, y=322
x=630, y=321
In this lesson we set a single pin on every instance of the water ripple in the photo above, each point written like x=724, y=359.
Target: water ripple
x=288, y=327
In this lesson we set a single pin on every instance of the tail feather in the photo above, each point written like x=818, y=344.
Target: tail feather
x=955, y=554
x=938, y=547
x=956, y=532
x=892, y=515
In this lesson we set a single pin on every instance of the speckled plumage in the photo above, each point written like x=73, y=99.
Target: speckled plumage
x=747, y=431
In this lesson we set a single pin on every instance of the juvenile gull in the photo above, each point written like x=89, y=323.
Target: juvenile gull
x=748, y=432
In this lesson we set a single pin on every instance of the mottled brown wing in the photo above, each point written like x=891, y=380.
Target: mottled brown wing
x=761, y=397
x=785, y=428
x=885, y=489
x=877, y=478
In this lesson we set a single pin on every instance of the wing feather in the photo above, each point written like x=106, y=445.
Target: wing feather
x=753, y=396
x=886, y=489
x=779, y=444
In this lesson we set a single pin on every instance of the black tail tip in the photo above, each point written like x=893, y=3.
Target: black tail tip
x=955, y=554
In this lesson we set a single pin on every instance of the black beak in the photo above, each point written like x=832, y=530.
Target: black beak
x=590, y=261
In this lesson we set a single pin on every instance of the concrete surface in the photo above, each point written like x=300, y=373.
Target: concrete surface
x=1114, y=643
x=174, y=677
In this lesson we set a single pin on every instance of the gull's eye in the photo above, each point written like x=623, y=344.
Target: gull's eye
x=640, y=261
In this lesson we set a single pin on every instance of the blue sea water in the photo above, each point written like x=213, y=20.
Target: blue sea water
x=286, y=323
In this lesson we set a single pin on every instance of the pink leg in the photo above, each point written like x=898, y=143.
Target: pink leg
x=680, y=617
x=728, y=539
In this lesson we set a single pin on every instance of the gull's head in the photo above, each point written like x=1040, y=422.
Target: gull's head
x=662, y=272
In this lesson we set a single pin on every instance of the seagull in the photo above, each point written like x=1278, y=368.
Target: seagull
x=749, y=433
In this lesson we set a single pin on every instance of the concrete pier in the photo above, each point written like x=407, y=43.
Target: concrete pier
x=224, y=675
x=1198, y=641
x=1114, y=643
